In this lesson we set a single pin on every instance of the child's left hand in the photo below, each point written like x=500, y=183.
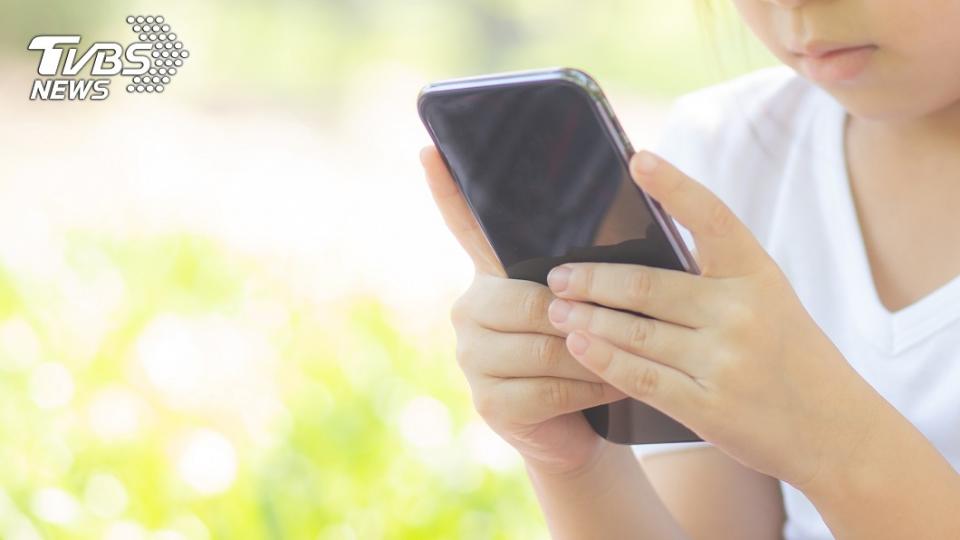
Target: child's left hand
x=731, y=353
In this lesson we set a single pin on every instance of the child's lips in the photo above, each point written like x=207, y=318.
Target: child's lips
x=832, y=63
x=819, y=48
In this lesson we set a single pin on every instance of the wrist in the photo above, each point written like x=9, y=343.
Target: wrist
x=608, y=496
x=602, y=458
x=846, y=462
x=893, y=483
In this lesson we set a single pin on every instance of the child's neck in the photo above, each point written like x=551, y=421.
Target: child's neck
x=905, y=179
x=936, y=135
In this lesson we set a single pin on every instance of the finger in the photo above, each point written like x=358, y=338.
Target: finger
x=457, y=214
x=518, y=305
x=663, y=387
x=666, y=343
x=537, y=399
x=669, y=295
x=725, y=245
x=507, y=355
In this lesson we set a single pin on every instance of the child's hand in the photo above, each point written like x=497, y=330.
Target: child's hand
x=731, y=353
x=524, y=382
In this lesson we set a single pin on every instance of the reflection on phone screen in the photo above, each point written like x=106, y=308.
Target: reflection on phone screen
x=549, y=186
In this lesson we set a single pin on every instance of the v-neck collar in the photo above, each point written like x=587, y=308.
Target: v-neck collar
x=891, y=332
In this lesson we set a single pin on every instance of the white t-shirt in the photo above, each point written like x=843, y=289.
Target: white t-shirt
x=770, y=145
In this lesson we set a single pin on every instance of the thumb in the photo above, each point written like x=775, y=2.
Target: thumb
x=725, y=246
x=457, y=215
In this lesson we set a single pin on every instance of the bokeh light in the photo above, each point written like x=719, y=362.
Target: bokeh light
x=207, y=462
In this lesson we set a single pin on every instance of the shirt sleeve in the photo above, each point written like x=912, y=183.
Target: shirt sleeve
x=641, y=450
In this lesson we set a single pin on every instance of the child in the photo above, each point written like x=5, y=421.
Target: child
x=816, y=354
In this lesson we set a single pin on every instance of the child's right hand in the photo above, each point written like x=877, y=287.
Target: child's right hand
x=525, y=383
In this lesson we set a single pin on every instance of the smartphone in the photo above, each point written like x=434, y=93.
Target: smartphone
x=544, y=166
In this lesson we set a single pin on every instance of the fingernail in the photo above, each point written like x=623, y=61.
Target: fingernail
x=645, y=162
x=577, y=342
x=558, y=277
x=559, y=309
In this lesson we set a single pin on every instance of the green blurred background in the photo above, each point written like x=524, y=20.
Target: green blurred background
x=223, y=309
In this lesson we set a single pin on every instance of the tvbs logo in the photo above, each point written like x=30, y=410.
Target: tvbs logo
x=149, y=63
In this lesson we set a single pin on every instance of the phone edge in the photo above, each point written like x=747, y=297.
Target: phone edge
x=584, y=81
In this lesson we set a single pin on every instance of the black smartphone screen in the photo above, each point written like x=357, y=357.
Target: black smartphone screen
x=548, y=183
x=544, y=178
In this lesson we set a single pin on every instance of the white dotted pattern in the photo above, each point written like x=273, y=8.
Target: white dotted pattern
x=166, y=52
